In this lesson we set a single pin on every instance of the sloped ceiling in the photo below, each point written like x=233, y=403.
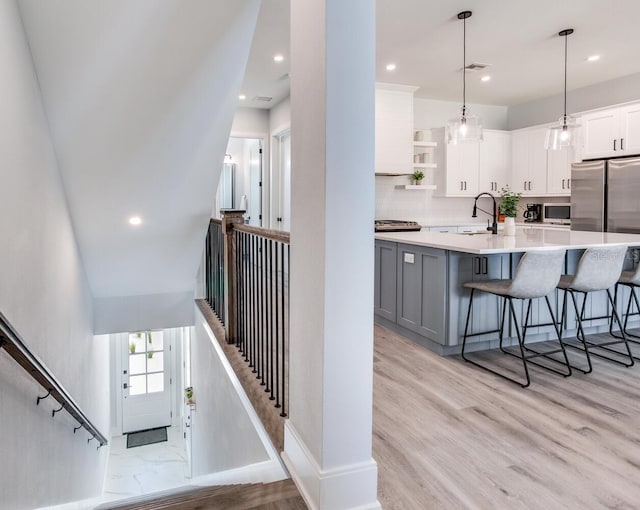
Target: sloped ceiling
x=140, y=98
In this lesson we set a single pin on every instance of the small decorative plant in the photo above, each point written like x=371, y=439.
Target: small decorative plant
x=418, y=175
x=509, y=201
x=132, y=347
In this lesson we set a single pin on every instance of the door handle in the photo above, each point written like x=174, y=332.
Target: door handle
x=125, y=386
x=476, y=261
x=562, y=183
x=614, y=144
x=485, y=264
x=621, y=144
x=461, y=188
x=529, y=185
x=569, y=183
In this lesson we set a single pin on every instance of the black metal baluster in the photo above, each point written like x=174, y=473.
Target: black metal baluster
x=254, y=348
x=270, y=316
x=247, y=301
x=277, y=378
x=238, y=277
x=284, y=328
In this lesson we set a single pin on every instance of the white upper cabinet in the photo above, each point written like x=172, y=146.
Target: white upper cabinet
x=529, y=161
x=559, y=171
x=394, y=129
x=495, y=161
x=458, y=166
x=611, y=132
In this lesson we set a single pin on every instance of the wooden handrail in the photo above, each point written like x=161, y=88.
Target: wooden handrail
x=16, y=348
x=267, y=233
x=216, y=220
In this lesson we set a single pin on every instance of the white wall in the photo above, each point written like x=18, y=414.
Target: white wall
x=250, y=120
x=137, y=313
x=45, y=295
x=223, y=435
x=280, y=117
x=430, y=113
x=549, y=109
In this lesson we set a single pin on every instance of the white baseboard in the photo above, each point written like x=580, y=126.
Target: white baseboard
x=351, y=487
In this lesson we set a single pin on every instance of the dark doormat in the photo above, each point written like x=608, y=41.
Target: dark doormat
x=143, y=437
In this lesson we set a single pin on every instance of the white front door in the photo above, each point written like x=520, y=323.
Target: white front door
x=146, y=402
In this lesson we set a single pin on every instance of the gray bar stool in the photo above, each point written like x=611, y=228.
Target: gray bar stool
x=598, y=269
x=629, y=279
x=537, y=274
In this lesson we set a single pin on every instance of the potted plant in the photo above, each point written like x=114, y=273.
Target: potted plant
x=132, y=347
x=509, y=202
x=418, y=175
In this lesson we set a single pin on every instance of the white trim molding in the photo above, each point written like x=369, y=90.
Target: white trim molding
x=344, y=488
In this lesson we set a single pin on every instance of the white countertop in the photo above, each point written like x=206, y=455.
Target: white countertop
x=526, y=239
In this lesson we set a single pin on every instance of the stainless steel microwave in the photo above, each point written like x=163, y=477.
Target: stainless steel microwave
x=558, y=213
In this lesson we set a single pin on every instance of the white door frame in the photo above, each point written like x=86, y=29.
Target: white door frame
x=116, y=387
x=277, y=178
x=266, y=171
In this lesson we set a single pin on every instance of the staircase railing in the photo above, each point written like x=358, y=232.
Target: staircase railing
x=13, y=344
x=256, y=288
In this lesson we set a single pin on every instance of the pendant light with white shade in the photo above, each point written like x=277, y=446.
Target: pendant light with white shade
x=465, y=127
x=564, y=133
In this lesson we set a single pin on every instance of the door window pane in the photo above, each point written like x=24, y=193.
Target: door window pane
x=155, y=382
x=156, y=362
x=137, y=385
x=137, y=363
x=156, y=343
x=137, y=342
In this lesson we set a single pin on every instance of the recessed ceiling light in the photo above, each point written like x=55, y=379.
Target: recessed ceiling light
x=242, y=97
x=278, y=58
x=135, y=220
x=391, y=67
x=485, y=78
x=593, y=58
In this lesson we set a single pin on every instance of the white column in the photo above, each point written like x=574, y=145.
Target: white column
x=328, y=435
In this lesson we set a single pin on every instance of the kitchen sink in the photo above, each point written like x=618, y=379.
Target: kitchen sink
x=476, y=233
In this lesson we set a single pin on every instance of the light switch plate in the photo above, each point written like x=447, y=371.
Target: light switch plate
x=409, y=258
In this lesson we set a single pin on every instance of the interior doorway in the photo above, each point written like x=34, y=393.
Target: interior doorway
x=281, y=196
x=240, y=185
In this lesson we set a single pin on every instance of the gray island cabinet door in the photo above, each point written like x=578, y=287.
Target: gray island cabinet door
x=486, y=311
x=385, y=279
x=422, y=278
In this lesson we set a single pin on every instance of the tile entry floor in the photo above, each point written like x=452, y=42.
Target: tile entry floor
x=146, y=469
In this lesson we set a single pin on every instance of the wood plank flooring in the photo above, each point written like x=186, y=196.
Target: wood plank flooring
x=281, y=495
x=448, y=435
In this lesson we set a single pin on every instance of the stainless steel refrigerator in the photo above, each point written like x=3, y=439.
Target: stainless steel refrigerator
x=605, y=195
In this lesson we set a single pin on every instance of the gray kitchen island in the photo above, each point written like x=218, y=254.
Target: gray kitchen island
x=419, y=278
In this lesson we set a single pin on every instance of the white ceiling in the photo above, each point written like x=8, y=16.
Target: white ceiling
x=140, y=97
x=517, y=37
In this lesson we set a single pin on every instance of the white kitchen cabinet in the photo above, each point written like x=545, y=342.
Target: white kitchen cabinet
x=559, y=171
x=458, y=166
x=495, y=161
x=529, y=161
x=394, y=129
x=611, y=132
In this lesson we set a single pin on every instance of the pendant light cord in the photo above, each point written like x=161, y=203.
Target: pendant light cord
x=464, y=65
x=565, y=80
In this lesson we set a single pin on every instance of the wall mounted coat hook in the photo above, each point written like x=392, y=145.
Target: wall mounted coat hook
x=42, y=398
x=53, y=412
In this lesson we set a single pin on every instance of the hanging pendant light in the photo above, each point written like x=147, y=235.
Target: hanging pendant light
x=465, y=127
x=564, y=133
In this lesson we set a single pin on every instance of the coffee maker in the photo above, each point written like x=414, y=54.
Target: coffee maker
x=533, y=213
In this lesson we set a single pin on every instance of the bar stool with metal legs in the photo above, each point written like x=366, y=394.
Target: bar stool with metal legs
x=629, y=279
x=598, y=269
x=536, y=276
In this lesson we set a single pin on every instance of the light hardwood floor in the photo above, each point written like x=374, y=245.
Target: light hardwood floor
x=448, y=435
